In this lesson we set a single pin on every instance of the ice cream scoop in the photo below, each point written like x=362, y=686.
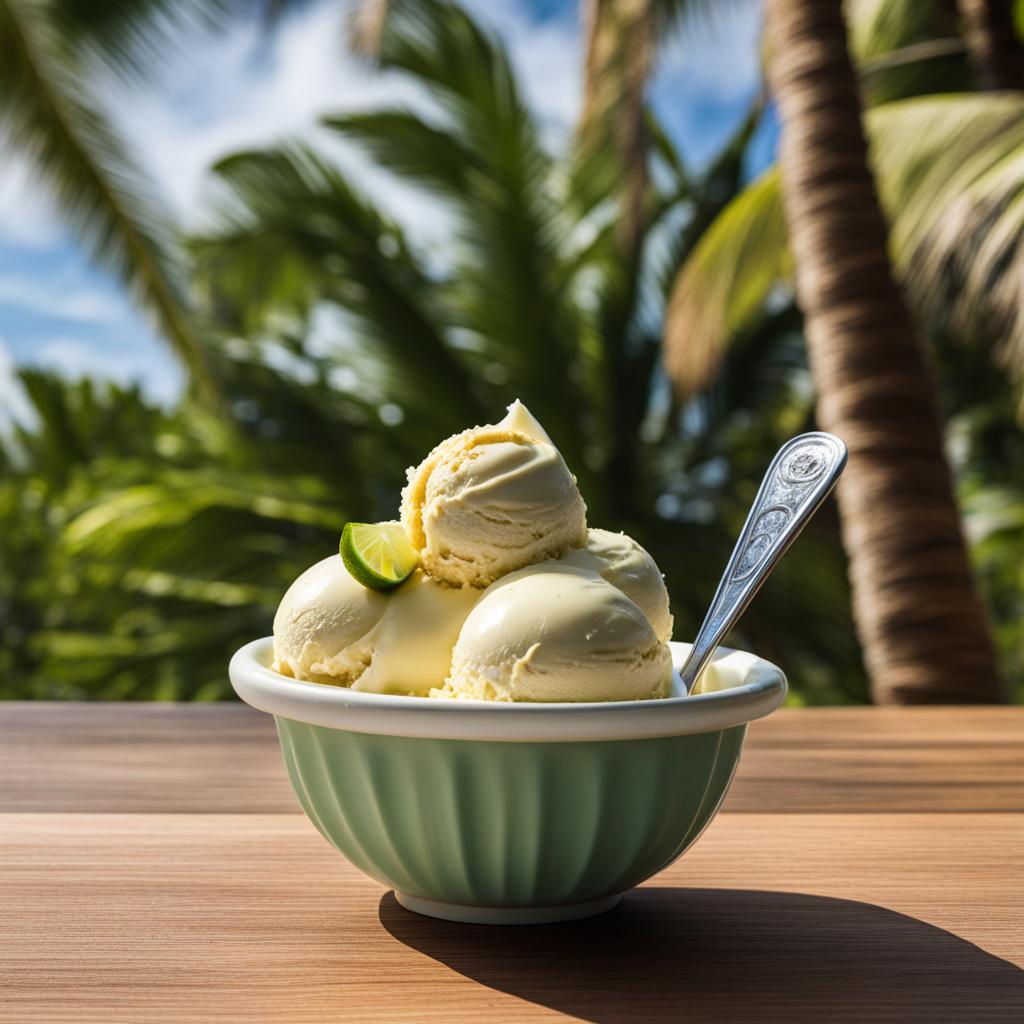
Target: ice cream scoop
x=556, y=632
x=623, y=563
x=491, y=500
x=322, y=623
x=331, y=629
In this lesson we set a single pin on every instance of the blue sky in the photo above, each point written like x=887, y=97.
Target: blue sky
x=243, y=89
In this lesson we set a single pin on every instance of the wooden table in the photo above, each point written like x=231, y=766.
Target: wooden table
x=154, y=867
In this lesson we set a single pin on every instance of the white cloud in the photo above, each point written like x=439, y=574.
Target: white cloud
x=27, y=217
x=44, y=298
x=255, y=90
x=73, y=358
x=548, y=57
x=243, y=88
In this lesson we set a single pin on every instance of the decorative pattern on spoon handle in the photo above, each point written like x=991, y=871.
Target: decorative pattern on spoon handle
x=798, y=480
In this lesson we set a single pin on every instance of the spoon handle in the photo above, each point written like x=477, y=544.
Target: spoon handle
x=801, y=475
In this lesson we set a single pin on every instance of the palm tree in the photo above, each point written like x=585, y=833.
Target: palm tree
x=621, y=39
x=924, y=631
x=948, y=167
x=615, y=80
x=949, y=174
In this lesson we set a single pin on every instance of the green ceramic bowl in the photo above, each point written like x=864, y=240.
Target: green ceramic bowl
x=510, y=813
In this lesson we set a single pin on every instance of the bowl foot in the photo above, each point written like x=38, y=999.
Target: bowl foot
x=506, y=915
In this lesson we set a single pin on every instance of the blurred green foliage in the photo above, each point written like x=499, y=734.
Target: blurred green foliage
x=139, y=547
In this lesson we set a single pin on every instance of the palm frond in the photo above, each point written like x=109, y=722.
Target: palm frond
x=705, y=199
x=508, y=298
x=108, y=526
x=72, y=423
x=135, y=38
x=723, y=285
x=951, y=170
x=45, y=113
x=406, y=145
x=877, y=27
x=906, y=48
x=671, y=15
x=294, y=234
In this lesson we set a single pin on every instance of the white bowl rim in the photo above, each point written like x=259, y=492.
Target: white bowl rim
x=755, y=688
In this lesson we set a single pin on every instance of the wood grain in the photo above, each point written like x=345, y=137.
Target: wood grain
x=120, y=919
x=154, y=868
x=885, y=759
x=224, y=759
x=145, y=757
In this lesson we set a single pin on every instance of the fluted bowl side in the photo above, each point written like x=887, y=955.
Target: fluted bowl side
x=508, y=824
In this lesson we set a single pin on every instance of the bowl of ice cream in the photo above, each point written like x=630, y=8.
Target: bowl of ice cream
x=501, y=735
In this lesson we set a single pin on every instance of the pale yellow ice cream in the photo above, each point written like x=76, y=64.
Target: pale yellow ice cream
x=514, y=600
x=554, y=632
x=331, y=629
x=322, y=623
x=491, y=500
x=623, y=563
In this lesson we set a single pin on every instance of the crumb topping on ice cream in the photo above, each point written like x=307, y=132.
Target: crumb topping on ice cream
x=489, y=501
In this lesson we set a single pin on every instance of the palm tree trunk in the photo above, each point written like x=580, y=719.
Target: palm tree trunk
x=612, y=149
x=992, y=44
x=366, y=24
x=620, y=54
x=920, y=621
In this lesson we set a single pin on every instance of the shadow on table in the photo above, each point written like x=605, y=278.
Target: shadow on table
x=730, y=955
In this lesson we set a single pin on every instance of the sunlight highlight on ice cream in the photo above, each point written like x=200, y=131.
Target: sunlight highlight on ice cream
x=552, y=632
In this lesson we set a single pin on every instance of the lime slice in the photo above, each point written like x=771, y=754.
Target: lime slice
x=378, y=555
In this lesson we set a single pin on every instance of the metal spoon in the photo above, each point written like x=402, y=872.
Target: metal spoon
x=799, y=479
